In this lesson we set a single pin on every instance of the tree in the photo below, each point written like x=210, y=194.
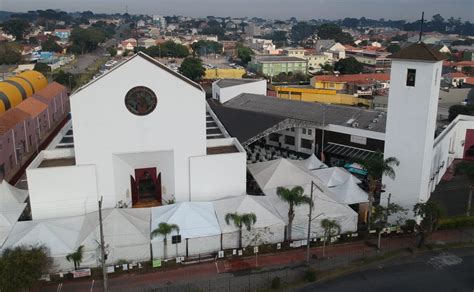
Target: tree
x=459, y=109
x=331, y=228
x=380, y=217
x=112, y=51
x=393, y=48
x=165, y=229
x=430, y=213
x=87, y=39
x=65, y=78
x=294, y=197
x=21, y=267
x=203, y=47
x=302, y=31
x=468, y=170
x=76, y=257
x=244, y=54
x=168, y=49
x=43, y=68
x=192, y=68
x=376, y=167
x=50, y=45
x=348, y=66
x=16, y=27
x=241, y=220
x=9, y=54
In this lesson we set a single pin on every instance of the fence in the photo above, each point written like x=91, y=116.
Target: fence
x=337, y=256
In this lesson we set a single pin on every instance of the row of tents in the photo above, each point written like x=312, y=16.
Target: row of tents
x=202, y=225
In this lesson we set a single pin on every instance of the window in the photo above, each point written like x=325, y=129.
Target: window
x=289, y=140
x=411, y=74
x=305, y=143
x=140, y=100
x=436, y=77
x=304, y=131
x=11, y=161
x=310, y=132
x=1, y=146
x=30, y=140
x=274, y=137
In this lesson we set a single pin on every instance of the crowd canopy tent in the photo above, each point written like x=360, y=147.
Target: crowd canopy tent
x=126, y=235
x=269, y=228
x=343, y=186
x=198, y=227
x=311, y=163
x=281, y=172
x=59, y=235
x=11, y=207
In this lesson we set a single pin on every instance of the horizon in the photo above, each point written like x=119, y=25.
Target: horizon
x=281, y=9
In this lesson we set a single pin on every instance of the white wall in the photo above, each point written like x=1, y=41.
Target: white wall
x=449, y=145
x=227, y=93
x=411, y=122
x=103, y=125
x=62, y=191
x=218, y=176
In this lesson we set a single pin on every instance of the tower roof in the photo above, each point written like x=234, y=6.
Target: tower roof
x=418, y=51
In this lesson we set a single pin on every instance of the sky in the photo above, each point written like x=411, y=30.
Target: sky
x=274, y=9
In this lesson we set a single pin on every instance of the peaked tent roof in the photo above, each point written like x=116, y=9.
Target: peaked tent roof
x=333, y=176
x=9, y=193
x=195, y=219
x=349, y=192
x=9, y=214
x=419, y=51
x=266, y=214
x=59, y=235
x=311, y=163
x=278, y=173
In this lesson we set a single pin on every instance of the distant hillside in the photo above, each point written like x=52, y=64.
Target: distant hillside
x=5, y=15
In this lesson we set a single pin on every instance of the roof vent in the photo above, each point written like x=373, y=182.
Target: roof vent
x=375, y=120
x=355, y=125
x=370, y=126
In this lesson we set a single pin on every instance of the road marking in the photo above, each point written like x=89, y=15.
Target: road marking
x=217, y=268
x=444, y=260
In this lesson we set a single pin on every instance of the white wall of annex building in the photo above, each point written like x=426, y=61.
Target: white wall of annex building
x=227, y=93
x=411, y=122
x=103, y=125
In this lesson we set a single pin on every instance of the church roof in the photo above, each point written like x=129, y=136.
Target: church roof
x=418, y=51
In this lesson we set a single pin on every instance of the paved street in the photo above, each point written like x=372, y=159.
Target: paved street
x=435, y=271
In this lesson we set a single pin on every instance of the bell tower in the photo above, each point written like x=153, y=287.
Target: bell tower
x=411, y=122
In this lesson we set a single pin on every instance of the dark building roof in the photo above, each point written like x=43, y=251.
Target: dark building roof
x=312, y=112
x=243, y=124
x=223, y=83
x=418, y=51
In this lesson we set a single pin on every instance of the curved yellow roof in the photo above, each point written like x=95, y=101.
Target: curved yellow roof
x=16, y=89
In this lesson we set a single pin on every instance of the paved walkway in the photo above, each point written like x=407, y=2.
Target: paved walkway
x=336, y=255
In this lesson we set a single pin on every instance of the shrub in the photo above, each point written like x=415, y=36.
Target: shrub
x=457, y=222
x=409, y=225
x=310, y=275
x=276, y=283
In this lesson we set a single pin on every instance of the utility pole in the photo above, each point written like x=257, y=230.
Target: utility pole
x=309, y=225
x=102, y=247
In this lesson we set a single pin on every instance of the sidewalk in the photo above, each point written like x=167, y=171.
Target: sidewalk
x=338, y=255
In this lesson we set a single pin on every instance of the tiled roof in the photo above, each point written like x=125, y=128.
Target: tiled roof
x=354, y=77
x=32, y=106
x=456, y=75
x=418, y=51
x=11, y=118
x=51, y=91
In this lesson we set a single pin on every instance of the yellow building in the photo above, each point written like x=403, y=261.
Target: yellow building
x=17, y=88
x=319, y=95
x=221, y=73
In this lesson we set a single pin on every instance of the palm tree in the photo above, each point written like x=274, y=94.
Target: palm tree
x=468, y=170
x=331, y=228
x=241, y=220
x=76, y=257
x=294, y=197
x=376, y=167
x=164, y=229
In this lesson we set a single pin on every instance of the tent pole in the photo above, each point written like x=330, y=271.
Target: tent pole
x=102, y=247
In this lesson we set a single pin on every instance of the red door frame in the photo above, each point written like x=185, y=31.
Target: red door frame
x=468, y=143
x=139, y=173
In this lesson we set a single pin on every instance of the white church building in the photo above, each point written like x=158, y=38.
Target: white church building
x=139, y=140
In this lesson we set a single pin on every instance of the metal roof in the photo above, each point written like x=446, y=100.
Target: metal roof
x=223, y=83
x=316, y=113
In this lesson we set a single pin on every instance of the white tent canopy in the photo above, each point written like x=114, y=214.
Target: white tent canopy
x=273, y=174
x=58, y=235
x=269, y=228
x=311, y=163
x=126, y=235
x=343, y=185
x=11, y=207
x=198, y=227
